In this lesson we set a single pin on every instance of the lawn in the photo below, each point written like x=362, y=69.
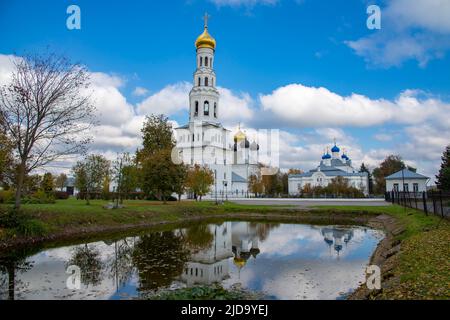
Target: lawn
x=72, y=214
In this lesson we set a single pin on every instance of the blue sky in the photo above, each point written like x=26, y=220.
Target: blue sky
x=272, y=56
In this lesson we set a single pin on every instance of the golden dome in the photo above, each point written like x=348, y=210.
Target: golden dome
x=205, y=40
x=239, y=262
x=239, y=136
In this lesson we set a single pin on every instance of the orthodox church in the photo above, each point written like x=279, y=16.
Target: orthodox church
x=204, y=141
x=331, y=166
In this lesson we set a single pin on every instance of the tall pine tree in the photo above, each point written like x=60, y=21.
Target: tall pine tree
x=443, y=178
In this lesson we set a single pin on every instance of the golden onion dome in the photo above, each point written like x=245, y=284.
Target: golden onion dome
x=239, y=262
x=205, y=40
x=239, y=136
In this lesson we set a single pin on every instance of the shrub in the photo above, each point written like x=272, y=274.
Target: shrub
x=31, y=227
x=39, y=197
x=7, y=196
x=20, y=223
x=60, y=195
x=11, y=219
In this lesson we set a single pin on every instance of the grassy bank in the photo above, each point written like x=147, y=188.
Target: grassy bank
x=423, y=269
x=72, y=216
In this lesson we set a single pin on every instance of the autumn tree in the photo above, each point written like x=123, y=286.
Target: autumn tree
x=90, y=175
x=47, y=184
x=156, y=136
x=60, y=181
x=255, y=184
x=443, y=177
x=124, y=171
x=157, y=171
x=32, y=183
x=44, y=112
x=295, y=171
x=199, y=180
x=390, y=165
x=180, y=180
x=6, y=159
x=160, y=175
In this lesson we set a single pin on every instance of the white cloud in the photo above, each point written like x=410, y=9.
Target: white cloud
x=299, y=106
x=169, y=101
x=432, y=15
x=6, y=68
x=383, y=137
x=234, y=108
x=140, y=92
x=112, y=107
x=416, y=30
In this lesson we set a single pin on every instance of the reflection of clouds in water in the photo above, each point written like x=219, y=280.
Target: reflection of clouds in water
x=294, y=262
x=47, y=279
x=326, y=281
x=309, y=241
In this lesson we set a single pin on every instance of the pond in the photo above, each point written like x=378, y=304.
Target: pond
x=277, y=260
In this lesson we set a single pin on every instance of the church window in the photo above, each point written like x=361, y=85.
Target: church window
x=212, y=82
x=201, y=61
x=210, y=62
x=206, y=108
x=196, y=108
x=215, y=109
x=206, y=81
x=206, y=61
x=199, y=81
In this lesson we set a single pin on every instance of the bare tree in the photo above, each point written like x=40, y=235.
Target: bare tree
x=45, y=112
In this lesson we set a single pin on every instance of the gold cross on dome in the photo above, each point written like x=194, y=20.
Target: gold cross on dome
x=206, y=17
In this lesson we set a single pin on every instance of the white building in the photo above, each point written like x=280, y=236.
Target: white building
x=204, y=141
x=330, y=167
x=211, y=264
x=406, y=180
x=237, y=240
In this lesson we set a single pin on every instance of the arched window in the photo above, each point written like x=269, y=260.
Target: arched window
x=206, y=81
x=199, y=81
x=212, y=82
x=201, y=61
x=206, y=61
x=196, y=108
x=215, y=110
x=206, y=108
x=210, y=62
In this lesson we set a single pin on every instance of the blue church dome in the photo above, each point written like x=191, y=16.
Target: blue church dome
x=344, y=156
x=326, y=156
x=335, y=149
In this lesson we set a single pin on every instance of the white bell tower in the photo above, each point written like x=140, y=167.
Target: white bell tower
x=204, y=97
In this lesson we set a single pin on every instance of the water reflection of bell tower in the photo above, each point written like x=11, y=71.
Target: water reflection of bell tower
x=211, y=264
x=245, y=241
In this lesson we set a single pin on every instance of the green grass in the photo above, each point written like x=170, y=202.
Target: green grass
x=72, y=214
